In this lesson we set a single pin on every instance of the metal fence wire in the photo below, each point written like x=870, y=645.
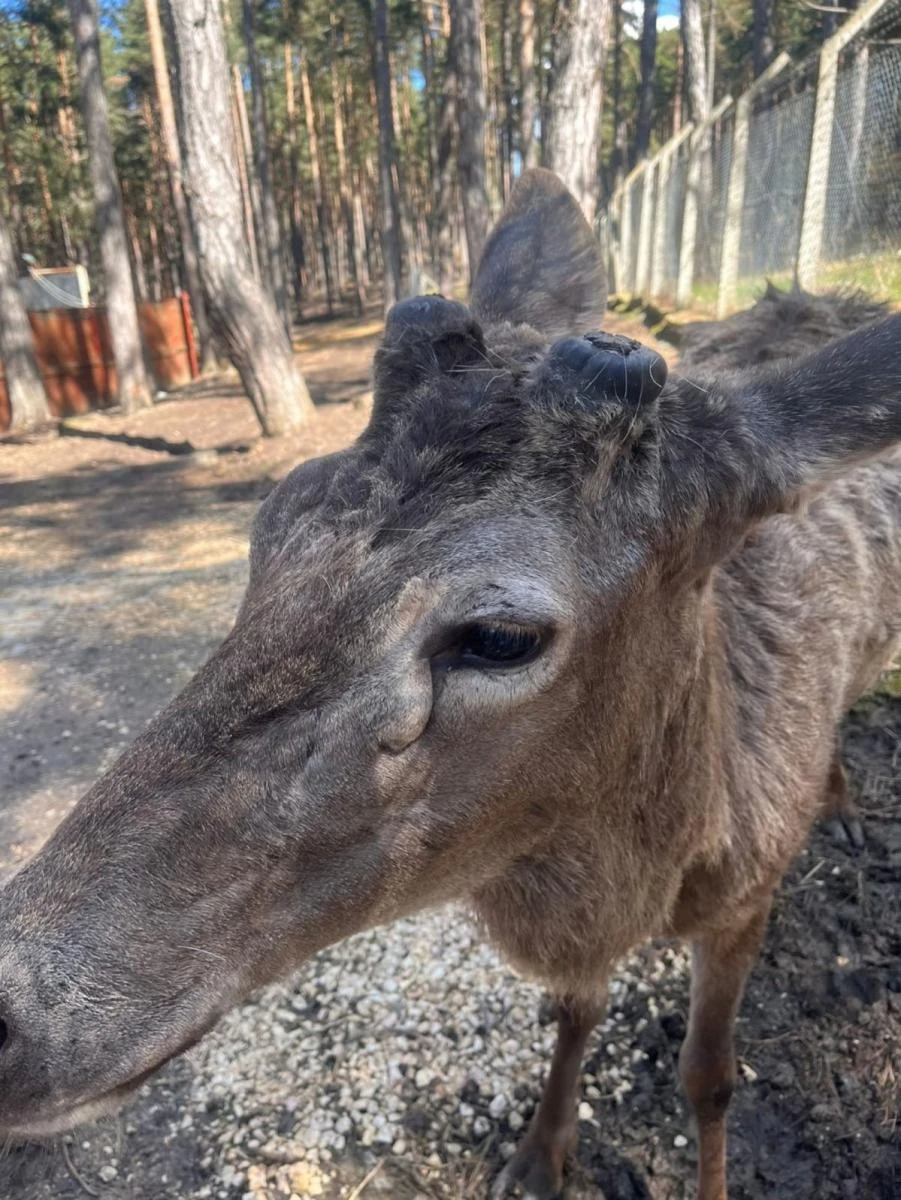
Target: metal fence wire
x=779, y=136
x=800, y=178
x=863, y=204
x=712, y=216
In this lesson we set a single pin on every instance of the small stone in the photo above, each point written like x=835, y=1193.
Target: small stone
x=108, y=1173
x=423, y=1078
x=498, y=1106
x=586, y=1112
x=306, y=1180
x=680, y=1141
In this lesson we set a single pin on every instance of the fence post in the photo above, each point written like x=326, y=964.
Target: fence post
x=664, y=182
x=735, y=199
x=814, y=218
x=626, y=285
x=615, y=241
x=645, y=228
x=688, y=243
x=655, y=279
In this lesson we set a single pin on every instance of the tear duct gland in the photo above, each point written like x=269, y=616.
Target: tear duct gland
x=515, y=646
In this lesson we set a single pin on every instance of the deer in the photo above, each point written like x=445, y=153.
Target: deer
x=558, y=637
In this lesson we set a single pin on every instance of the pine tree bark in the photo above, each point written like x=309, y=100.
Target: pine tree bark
x=344, y=189
x=445, y=193
x=695, y=60
x=172, y=154
x=296, y=208
x=392, y=250
x=323, y=217
x=647, y=72
x=575, y=102
x=764, y=47
x=125, y=335
x=466, y=34
x=24, y=386
x=242, y=311
x=528, y=88
x=618, y=155
x=271, y=237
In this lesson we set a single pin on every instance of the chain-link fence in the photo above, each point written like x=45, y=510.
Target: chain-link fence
x=800, y=178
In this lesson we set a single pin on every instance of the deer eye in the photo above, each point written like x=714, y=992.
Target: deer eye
x=494, y=644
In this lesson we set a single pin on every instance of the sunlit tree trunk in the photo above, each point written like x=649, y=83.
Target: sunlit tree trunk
x=445, y=193
x=575, y=102
x=172, y=153
x=125, y=336
x=764, y=48
x=695, y=60
x=392, y=250
x=242, y=310
x=296, y=212
x=326, y=240
x=27, y=398
x=344, y=189
x=528, y=88
x=466, y=35
x=270, y=234
x=647, y=72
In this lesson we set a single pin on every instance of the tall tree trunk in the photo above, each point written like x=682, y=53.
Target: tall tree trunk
x=251, y=179
x=244, y=184
x=528, y=88
x=711, y=55
x=679, y=94
x=764, y=47
x=506, y=93
x=618, y=155
x=13, y=174
x=695, y=61
x=575, y=106
x=27, y=398
x=271, y=234
x=296, y=210
x=125, y=334
x=445, y=192
x=647, y=71
x=242, y=311
x=392, y=250
x=172, y=153
x=344, y=189
x=466, y=34
x=326, y=236
x=430, y=92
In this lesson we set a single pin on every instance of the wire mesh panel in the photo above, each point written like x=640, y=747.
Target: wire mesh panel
x=633, y=200
x=671, y=212
x=779, y=137
x=712, y=202
x=800, y=178
x=862, y=228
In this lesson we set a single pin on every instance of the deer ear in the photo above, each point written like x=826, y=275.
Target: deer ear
x=542, y=264
x=758, y=444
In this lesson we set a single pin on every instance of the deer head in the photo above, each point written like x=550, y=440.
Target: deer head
x=468, y=643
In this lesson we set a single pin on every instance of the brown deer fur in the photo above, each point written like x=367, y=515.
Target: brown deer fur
x=546, y=639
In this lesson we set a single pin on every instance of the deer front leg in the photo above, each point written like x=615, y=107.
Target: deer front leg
x=839, y=809
x=537, y=1165
x=720, y=966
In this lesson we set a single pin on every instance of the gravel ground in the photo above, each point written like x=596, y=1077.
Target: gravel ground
x=406, y=1061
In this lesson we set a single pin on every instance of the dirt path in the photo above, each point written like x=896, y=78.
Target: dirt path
x=121, y=568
